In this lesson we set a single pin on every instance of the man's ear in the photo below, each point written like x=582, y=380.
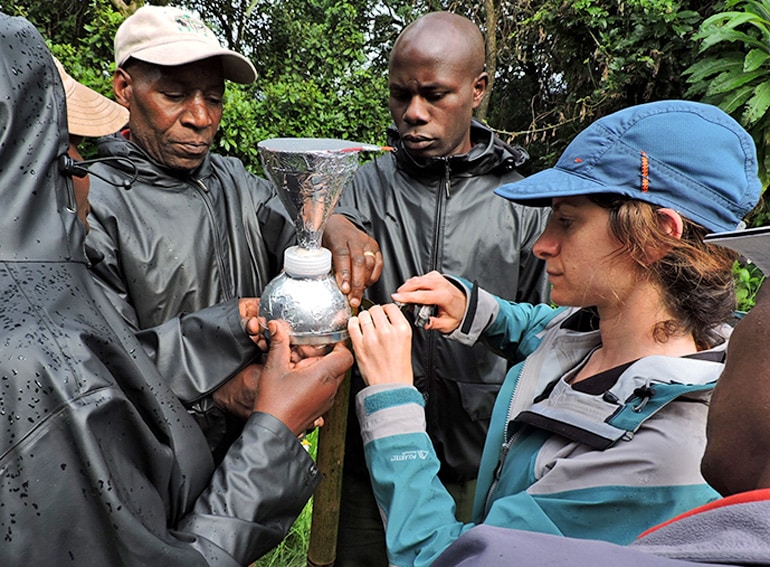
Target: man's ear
x=672, y=222
x=480, y=85
x=121, y=86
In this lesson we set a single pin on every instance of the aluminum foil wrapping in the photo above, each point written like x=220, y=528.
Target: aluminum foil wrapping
x=315, y=308
x=309, y=175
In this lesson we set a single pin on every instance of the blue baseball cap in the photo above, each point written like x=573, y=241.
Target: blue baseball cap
x=688, y=156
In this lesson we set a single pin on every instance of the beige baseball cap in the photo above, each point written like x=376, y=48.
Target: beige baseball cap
x=168, y=36
x=90, y=114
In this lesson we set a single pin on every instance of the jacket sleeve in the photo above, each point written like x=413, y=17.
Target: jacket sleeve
x=254, y=497
x=182, y=349
x=417, y=510
x=487, y=546
x=351, y=206
x=512, y=330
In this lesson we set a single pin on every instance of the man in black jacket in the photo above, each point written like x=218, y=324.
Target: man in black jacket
x=196, y=228
x=100, y=464
x=431, y=207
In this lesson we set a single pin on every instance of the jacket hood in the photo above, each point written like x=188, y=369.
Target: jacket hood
x=38, y=215
x=489, y=153
x=86, y=398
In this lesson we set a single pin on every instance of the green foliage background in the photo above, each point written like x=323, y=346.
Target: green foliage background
x=557, y=66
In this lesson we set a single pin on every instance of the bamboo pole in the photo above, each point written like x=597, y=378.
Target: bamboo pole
x=324, y=525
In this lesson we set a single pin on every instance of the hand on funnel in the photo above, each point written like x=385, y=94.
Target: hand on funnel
x=356, y=257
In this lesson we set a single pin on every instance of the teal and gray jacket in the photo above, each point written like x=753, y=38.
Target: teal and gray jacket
x=604, y=464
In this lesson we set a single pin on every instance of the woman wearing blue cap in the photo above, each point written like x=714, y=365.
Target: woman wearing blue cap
x=598, y=433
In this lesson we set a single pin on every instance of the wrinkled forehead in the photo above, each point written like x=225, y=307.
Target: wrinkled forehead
x=205, y=74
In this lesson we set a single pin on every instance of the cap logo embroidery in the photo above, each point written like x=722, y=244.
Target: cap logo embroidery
x=645, y=172
x=188, y=24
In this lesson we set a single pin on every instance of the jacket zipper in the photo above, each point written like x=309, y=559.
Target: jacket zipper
x=227, y=292
x=507, y=443
x=437, y=226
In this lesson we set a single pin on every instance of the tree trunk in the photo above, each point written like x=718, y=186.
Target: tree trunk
x=490, y=22
x=126, y=8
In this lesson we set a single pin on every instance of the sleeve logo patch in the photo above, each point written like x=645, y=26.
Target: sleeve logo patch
x=409, y=456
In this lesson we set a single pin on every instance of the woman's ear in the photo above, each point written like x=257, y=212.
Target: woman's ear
x=672, y=222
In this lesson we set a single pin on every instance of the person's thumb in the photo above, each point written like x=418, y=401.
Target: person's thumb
x=280, y=347
x=339, y=361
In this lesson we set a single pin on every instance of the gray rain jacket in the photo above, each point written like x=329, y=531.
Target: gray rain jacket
x=100, y=464
x=731, y=531
x=442, y=215
x=176, y=243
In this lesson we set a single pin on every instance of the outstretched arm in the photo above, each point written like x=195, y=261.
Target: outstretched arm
x=267, y=463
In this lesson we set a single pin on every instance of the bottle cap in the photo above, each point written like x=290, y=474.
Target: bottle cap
x=307, y=262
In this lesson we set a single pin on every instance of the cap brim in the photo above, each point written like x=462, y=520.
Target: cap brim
x=537, y=190
x=235, y=67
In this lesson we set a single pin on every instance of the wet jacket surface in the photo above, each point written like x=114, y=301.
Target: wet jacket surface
x=176, y=243
x=730, y=531
x=557, y=459
x=100, y=464
x=442, y=215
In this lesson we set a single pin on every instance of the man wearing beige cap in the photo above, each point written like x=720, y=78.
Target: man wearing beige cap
x=196, y=228
x=91, y=115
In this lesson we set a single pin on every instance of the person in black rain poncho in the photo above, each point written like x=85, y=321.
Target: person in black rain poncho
x=100, y=464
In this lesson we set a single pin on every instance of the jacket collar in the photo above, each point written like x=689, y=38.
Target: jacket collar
x=150, y=170
x=489, y=153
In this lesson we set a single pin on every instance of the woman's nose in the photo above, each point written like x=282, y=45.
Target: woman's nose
x=546, y=246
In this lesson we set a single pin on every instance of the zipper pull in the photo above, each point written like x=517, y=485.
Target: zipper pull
x=202, y=185
x=496, y=477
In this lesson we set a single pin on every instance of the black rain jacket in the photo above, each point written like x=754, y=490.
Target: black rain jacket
x=100, y=464
x=441, y=214
x=176, y=242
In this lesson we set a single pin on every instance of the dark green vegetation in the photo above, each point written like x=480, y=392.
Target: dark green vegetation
x=557, y=65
